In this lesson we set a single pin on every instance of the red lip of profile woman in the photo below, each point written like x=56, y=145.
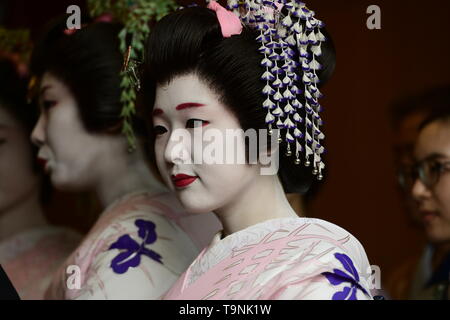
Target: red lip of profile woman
x=258, y=67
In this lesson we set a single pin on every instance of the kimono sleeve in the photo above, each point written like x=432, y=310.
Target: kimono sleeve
x=149, y=280
x=140, y=263
x=341, y=274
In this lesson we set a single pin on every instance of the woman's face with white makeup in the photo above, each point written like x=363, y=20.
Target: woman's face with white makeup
x=69, y=153
x=17, y=178
x=183, y=106
x=433, y=203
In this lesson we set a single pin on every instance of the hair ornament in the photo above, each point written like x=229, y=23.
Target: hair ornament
x=229, y=22
x=135, y=15
x=291, y=82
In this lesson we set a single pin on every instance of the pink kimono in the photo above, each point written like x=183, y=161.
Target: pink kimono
x=32, y=257
x=136, y=250
x=289, y=258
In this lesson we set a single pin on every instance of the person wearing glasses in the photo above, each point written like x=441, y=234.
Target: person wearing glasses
x=406, y=116
x=428, y=181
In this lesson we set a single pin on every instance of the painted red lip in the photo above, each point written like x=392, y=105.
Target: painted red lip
x=427, y=216
x=183, y=180
x=42, y=163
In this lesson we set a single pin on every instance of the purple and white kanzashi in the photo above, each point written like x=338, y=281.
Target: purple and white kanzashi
x=290, y=42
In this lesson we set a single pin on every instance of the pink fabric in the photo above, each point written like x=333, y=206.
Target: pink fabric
x=31, y=258
x=230, y=24
x=278, y=259
x=148, y=280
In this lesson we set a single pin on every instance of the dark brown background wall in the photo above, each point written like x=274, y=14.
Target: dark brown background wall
x=374, y=68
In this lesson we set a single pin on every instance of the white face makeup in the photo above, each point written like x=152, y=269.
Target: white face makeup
x=434, y=203
x=204, y=187
x=17, y=178
x=70, y=153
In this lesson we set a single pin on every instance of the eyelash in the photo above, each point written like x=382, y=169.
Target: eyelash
x=204, y=123
x=47, y=104
x=159, y=130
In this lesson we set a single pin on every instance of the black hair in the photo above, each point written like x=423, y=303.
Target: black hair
x=13, y=99
x=438, y=101
x=13, y=93
x=431, y=103
x=89, y=63
x=190, y=41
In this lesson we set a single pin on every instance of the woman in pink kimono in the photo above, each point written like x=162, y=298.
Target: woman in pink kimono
x=30, y=248
x=221, y=92
x=139, y=245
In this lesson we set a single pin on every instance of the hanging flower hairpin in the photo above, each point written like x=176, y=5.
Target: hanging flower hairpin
x=289, y=93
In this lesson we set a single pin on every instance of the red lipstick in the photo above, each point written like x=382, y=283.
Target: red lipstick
x=183, y=180
x=428, y=216
x=42, y=163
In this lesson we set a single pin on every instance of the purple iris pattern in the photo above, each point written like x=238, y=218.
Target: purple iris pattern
x=131, y=257
x=350, y=278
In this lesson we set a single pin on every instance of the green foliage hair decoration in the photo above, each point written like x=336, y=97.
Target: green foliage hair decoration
x=135, y=15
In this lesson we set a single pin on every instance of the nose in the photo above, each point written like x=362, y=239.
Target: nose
x=419, y=191
x=178, y=146
x=38, y=135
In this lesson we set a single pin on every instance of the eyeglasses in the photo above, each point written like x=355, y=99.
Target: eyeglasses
x=428, y=171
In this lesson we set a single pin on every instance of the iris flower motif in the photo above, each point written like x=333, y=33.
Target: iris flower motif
x=351, y=277
x=131, y=257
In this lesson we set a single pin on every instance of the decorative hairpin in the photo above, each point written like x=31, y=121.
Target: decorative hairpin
x=131, y=66
x=286, y=88
x=130, y=84
x=134, y=15
x=32, y=90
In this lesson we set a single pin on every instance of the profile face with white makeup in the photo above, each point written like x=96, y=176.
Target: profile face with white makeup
x=68, y=152
x=186, y=104
x=79, y=127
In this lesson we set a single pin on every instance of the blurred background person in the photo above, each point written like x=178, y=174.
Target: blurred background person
x=30, y=248
x=406, y=117
x=420, y=150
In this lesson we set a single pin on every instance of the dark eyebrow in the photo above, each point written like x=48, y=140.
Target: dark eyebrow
x=434, y=156
x=189, y=105
x=182, y=106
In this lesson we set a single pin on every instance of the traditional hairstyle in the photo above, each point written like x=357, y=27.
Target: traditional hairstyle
x=191, y=40
x=13, y=92
x=88, y=61
x=430, y=103
x=437, y=103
